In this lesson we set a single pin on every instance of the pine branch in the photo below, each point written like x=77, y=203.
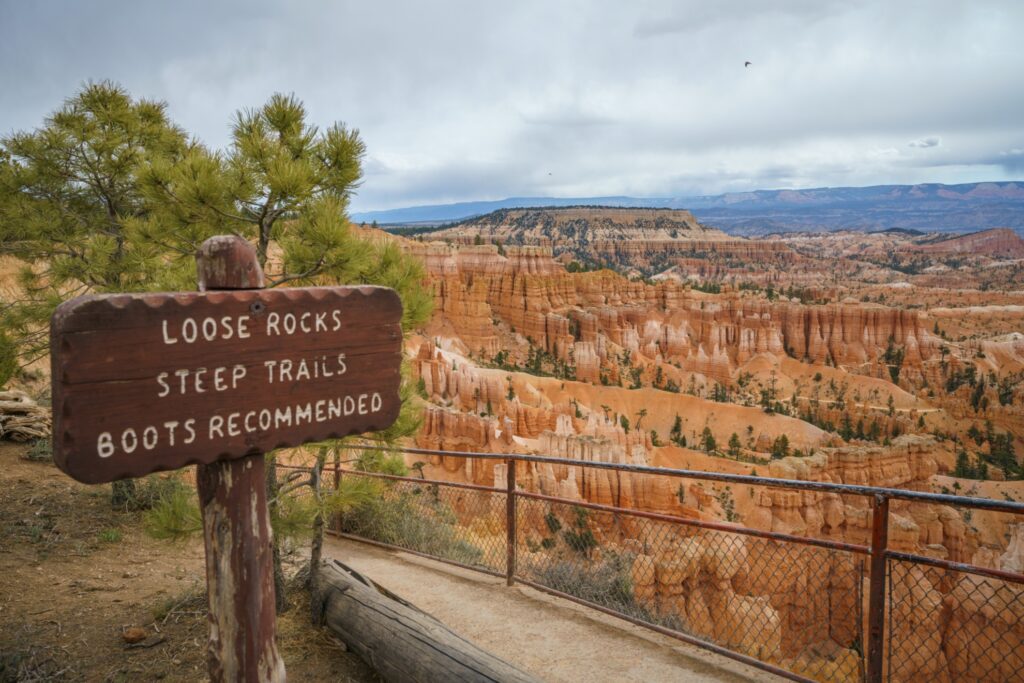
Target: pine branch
x=313, y=270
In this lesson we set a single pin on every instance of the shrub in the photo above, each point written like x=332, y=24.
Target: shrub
x=175, y=516
x=408, y=520
x=40, y=451
x=607, y=583
x=111, y=535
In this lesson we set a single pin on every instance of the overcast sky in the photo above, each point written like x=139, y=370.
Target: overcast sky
x=485, y=100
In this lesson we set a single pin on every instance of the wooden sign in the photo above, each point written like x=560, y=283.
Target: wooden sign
x=148, y=382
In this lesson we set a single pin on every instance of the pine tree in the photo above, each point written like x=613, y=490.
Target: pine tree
x=708, y=441
x=69, y=203
x=676, y=434
x=110, y=196
x=780, y=447
x=283, y=182
x=734, y=445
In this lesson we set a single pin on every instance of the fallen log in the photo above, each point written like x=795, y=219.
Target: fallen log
x=400, y=641
x=21, y=418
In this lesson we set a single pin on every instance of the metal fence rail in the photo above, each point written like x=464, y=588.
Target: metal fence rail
x=785, y=603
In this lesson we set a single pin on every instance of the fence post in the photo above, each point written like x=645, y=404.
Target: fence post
x=876, y=595
x=337, y=487
x=510, y=521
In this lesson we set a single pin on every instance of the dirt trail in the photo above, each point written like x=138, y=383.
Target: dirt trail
x=74, y=574
x=554, y=639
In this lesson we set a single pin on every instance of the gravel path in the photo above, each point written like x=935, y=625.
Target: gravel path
x=554, y=639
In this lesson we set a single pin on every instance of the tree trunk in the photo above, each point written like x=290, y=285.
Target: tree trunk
x=317, y=544
x=398, y=640
x=280, y=597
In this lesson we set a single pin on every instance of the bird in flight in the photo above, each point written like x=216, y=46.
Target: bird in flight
x=746, y=64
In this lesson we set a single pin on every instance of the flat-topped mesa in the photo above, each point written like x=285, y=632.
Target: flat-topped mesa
x=583, y=222
x=576, y=230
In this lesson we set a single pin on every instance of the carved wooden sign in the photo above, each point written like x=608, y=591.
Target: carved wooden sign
x=148, y=382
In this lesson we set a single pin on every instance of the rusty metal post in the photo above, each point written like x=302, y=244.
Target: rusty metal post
x=337, y=487
x=876, y=591
x=510, y=521
x=236, y=524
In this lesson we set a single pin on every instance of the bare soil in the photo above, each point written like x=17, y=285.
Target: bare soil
x=75, y=574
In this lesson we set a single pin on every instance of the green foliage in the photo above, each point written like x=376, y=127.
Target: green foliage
x=552, y=522
x=147, y=493
x=1001, y=454
x=1004, y=390
x=175, y=516
x=734, y=445
x=624, y=422
x=410, y=519
x=780, y=447
x=725, y=499
x=960, y=377
x=977, y=396
x=110, y=196
x=40, y=451
x=846, y=428
x=966, y=468
x=676, y=435
x=580, y=538
x=768, y=395
x=70, y=205
x=708, y=287
x=707, y=441
x=110, y=535
x=539, y=362
x=893, y=357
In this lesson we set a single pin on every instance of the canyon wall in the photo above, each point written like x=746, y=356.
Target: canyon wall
x=566, y=314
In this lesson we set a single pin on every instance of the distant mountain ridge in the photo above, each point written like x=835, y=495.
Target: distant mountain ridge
x=927, y=207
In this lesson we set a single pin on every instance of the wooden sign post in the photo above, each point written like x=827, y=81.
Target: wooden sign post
x=150, y=382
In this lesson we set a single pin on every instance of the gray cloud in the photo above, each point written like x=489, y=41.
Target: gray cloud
x=461, y=100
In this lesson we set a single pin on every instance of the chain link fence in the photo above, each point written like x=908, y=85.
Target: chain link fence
x=465, y=526
x=796, y=606
x=953, y=625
